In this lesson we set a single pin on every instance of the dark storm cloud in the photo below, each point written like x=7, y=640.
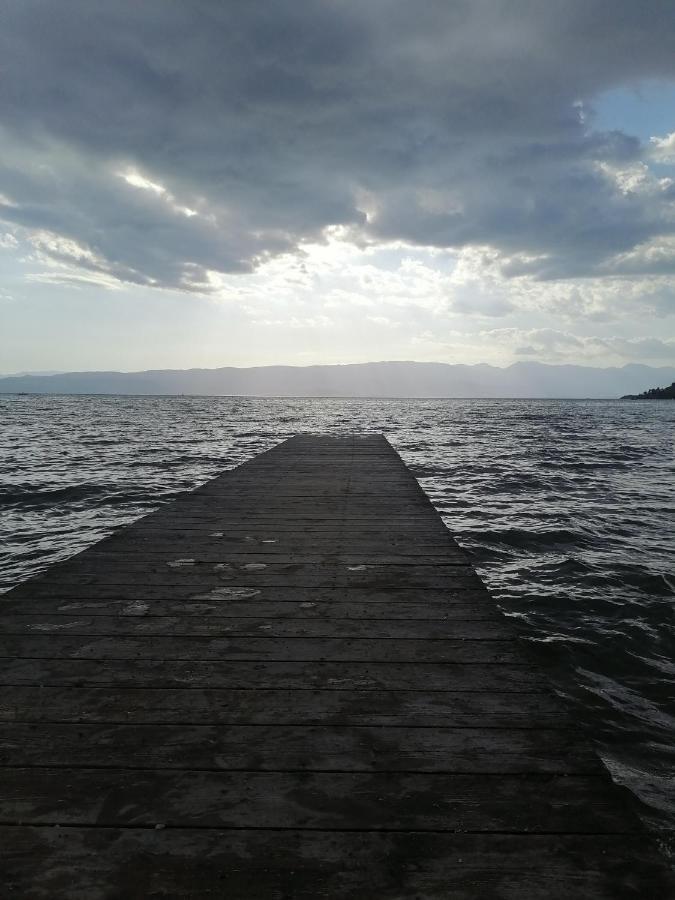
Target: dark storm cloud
x=440, y=123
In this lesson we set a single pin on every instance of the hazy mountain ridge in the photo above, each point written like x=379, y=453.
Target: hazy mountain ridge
x=375, y=379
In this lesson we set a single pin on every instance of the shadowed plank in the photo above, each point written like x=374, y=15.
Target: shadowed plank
x=297, y=747
x=297, y=675
x=292, y=706
x=250, y=626
x=309, y=605
x=197, y=647
x=215, y=585
x=409, y=802
x=267, y=674
x=135, y=863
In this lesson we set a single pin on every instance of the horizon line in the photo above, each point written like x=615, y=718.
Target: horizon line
x=380, y=362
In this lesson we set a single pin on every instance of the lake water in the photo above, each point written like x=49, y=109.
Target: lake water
x=566, y=508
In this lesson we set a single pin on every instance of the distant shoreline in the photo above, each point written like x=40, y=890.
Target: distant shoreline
x=372, y=398
x=374, y=380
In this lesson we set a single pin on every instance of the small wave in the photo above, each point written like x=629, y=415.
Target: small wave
x=34, y=497
x=525, y=539
x=626, y=699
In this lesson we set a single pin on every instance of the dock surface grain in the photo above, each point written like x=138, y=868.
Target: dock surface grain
x=291, y=683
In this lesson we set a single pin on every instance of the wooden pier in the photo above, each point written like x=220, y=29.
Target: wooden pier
x=290, y=683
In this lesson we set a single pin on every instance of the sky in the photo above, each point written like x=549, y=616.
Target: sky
x=192, y=183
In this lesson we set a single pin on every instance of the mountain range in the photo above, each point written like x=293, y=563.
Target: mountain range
x=373, y=379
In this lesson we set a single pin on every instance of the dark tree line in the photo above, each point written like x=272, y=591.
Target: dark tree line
x=664, y=393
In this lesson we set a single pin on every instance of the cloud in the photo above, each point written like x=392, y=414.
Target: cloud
x=170, y=142
x=428, y=289
x=663, y=149
x=560, y=346
x=8, y=241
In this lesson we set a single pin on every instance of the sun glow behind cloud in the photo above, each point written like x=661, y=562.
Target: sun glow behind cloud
x=135, y=179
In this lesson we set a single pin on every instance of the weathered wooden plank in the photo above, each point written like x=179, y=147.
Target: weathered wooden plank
x=294, y=748
x=465, y=589
x=298, y=513
x=253, y=529
x=194, y=647
x=191, y=580
x=202, y=864
x=302, y=536
x=259, y=572
x=284, y=707
x=138, y=557
x=270, y=626
x=308, y=605
x=268, y=541
x=266, y=674
x=410, y=802
x=308, y=484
